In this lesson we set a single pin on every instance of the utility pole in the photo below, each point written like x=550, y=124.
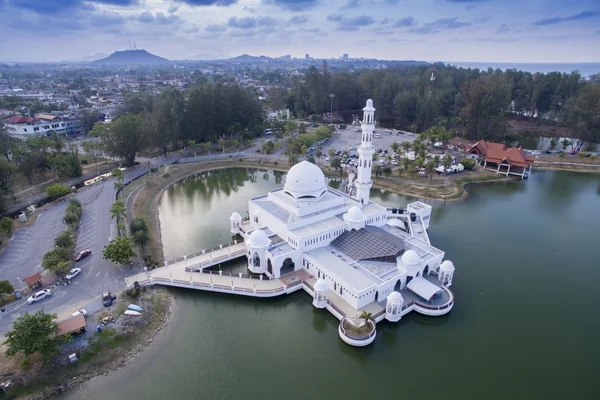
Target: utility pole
x=331, y=96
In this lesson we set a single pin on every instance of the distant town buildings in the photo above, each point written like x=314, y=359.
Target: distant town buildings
x=42, y=124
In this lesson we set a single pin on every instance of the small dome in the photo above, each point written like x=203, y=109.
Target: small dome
x=259, y=239
x=235, y=217
x=354, y=214
x=305, y=181
x=321, y=286
x=395, y=298
x=410, y=257
x=447, y=266
x=369, y=106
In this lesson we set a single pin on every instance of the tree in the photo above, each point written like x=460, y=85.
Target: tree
x=447, y=161
x=35, y=333
x=592, y=158
x=92, y=149
x=562, y=155
x=395, y=147
x=119, y=250
x=165, y=123
x=57, y=141
x=430, y=167
x=6, y=226
x=311, y=159
x=53, y=259
x=469, y=163
x=117, y=173
x=331, y=152
x=141, y=237
x=118, y=211
x=292, y=159
x=64, y=240
x=122, y=138
x=387, y=171
x=118, y=185
x=268, y=147
x=8, y=174
x=565, y=143
x=57, y=190
x=6, y=288
x=336, y=163
x=137, y=224
x=367, y=316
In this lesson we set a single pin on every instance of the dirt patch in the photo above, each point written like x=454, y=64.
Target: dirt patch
x=99, y=352
x=536, y=128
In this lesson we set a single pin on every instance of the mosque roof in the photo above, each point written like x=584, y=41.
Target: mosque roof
x=305, y=181
x=369, y=243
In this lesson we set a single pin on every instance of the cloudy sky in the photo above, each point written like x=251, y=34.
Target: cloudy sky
x=431, y=30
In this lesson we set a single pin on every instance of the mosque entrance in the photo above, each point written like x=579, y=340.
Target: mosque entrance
x=269, y=266
x=397, y=286
x=287, y=266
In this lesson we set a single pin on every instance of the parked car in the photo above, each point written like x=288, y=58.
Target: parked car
x=38, y=296
x=239, y=153
x=82, y=311
x=268, y=132
x=108, y=298
x=82, y=254
x=73, y=273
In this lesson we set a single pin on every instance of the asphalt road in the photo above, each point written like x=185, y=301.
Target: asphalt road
x=24, y=253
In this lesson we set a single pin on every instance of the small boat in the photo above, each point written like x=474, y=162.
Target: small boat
x=135, y=307
x=132, y=313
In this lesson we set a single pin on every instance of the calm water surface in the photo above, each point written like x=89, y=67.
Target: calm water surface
x=525, y=324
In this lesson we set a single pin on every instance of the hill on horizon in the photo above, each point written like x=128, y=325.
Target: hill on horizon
x=127, y=57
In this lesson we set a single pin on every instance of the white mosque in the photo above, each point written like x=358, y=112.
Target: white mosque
x=363, y=256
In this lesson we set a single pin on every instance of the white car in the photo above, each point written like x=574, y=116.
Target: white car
x=41, y=295
x=73, y=273
x=82, y=311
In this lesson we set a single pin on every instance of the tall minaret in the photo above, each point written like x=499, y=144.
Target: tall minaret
x=365, y=154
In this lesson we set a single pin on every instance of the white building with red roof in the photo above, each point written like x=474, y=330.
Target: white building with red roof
x=503, y=160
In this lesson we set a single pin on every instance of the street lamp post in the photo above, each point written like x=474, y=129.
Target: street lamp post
x=331, y=96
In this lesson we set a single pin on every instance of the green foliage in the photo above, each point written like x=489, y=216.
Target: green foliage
x=124, y=137
x=35, y=333
x=166, y=175
x=65, y=240
x=469, y=163
x=296, y=143
x=336, y=163
x=6, y=226
x=137, y=224
x=55, y=259
x=117, y=173
x=119, y=250
x=311, y=159
x=141, y=238
x=268, y=147
x=6, y=287
x=57, y=190
x=65, y=164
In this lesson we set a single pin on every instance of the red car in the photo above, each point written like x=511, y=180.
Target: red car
x=82, y=254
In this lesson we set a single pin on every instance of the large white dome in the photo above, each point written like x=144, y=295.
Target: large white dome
x=235, y=217
x=305, y=181
x=410, y=257
x=355, y=215
x=259, y=239
x=447, y=266
x=395, y=298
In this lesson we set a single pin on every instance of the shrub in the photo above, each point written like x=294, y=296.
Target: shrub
x=469, y=163
x=85, y=162
x=57, y=190
x=6, y=287
x=153, y=169
x=65, y=240
x=166, y=175
x=6, y=225
x=56, y=260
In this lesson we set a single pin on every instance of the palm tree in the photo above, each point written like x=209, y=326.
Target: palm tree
x=57, y=142
x=331, y=152
x=446, y=162
x=222, y=144
x=119, y=185
x=430, y=167
x=395, y=146
x=562, y=155
x=592, y=158
x=292, y=159
x=406, y=146
x=367, y=316
x=117, y=211
x=553, y=143
x=141, y=238
x=318, y=153
x=565, y=143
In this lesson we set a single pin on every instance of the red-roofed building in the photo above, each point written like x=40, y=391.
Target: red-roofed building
x=504, y=160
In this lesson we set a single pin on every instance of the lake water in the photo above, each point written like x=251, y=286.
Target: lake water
x=525, y=324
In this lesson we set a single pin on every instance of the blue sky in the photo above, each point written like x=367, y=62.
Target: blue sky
x=432, y=30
